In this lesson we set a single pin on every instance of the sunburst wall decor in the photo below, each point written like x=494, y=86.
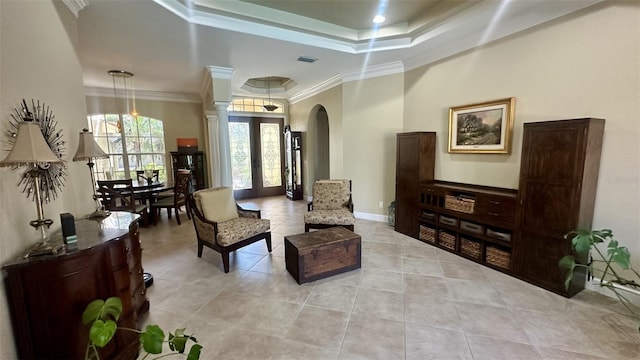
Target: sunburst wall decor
x=54, y=175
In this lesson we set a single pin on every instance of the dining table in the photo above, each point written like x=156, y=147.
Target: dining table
x=146, y=191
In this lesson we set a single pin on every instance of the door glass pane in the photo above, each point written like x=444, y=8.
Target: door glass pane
x=270, y=150
x=240, y=155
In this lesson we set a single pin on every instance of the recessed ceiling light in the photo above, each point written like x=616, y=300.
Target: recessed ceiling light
x=379, y=19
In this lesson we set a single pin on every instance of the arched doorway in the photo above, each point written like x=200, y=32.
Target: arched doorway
x=321, y=142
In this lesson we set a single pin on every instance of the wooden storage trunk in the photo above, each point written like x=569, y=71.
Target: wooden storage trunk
x=323, y=253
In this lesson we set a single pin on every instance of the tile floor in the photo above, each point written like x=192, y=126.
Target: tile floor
x=410, y=300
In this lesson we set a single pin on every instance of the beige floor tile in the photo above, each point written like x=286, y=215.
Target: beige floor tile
x=491, y=321
x=555, y=354
x=431, y=311
x=320, y=327
x=293, y=350
x=473, y=291
x=426, y=286
x=485, y=348
x=373, y=338
x=383, y=262
x=333, y=296
x=271, y=317
x=383, y=280
x=424, y=342
x=379, y=304
x=422, y=267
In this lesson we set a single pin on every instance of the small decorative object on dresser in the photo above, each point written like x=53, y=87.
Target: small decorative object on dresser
x=482, y=128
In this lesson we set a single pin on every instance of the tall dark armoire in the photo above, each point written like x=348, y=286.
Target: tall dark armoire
x=557, y=191
x=415, y=159
x=293, y=164
x=194, y=161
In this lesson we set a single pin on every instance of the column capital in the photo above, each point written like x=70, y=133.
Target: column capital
x=220, y=72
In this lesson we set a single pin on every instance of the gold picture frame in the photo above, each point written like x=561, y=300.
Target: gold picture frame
x=484, y=128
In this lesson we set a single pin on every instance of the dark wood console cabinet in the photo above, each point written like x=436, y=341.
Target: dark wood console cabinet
x=477, y=222
x=48, y=294
x=415, y=160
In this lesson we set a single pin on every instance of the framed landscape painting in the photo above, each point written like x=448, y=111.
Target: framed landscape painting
x=482, y=128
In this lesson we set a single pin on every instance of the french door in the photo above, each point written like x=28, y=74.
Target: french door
x=257, y=159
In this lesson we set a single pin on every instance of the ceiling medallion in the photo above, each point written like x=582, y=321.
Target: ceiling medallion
x=53, y=175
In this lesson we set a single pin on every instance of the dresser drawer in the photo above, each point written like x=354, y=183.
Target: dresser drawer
x=493, y=208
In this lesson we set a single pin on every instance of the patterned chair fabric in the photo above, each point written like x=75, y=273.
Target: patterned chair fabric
x=331, y=206
x=230, y=235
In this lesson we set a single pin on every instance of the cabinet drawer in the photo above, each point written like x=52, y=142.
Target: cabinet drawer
x=499, y=208
x=470, y=227
x=448, y=220
x=136, y=276
x=117, y=254
x=139, y=296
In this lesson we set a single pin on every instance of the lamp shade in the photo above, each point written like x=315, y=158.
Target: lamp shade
x=88, y=148
x=30, y=147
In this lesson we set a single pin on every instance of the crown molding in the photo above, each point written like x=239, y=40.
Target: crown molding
x=145, y=95
x=220, y=72
x=75, y=5
x=373, y=71
x=314, y=90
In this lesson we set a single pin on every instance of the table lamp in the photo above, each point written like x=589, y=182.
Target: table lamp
x=31, y=149
x=88, y=150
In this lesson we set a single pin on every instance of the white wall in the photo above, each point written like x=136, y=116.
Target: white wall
x=38, y=62
x=584, y=65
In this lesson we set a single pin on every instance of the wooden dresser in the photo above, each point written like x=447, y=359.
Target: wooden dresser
x=48, y=294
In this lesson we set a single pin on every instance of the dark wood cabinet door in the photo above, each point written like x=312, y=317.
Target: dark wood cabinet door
x=558, y=178
x=415, y=158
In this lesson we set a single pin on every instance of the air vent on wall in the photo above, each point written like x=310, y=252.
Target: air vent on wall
x=307, y=59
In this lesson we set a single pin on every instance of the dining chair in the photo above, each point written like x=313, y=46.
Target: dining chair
x=141, y=177
x=118, y=195
x=180, y=190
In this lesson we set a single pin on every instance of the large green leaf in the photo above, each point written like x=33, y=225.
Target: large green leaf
x=152, y=339
x=194, y=353
x=113, y=307
x=102, y=332
x=621, y=256
x=92, y=311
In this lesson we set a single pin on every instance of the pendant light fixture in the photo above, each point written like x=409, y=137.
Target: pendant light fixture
x=125, y=75
x=269, y=106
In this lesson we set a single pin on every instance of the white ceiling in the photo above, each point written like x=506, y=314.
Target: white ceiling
x=168, y=44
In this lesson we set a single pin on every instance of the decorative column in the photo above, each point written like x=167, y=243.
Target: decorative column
x=223, y=141
x=213, y=129
x=219, y=134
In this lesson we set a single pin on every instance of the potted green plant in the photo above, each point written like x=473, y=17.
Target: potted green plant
x=613, y=269
x=102, y=316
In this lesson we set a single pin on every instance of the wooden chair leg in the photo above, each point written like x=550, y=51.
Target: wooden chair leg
x=268, y=240
x=225, y=261
x=177, y=215
x=169, y=212
x=200, y=246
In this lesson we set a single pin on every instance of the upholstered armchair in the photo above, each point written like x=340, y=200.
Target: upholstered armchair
x=331, y=206
x=223, y=225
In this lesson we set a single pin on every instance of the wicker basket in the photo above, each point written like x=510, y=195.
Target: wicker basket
x=457, y=203
x=498, y=257
x=447, y=240
x=470, y=248
x=427, y=234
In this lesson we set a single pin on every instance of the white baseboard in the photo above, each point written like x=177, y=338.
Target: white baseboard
x=372, y=217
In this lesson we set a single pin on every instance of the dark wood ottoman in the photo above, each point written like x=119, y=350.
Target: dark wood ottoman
x=323, y=253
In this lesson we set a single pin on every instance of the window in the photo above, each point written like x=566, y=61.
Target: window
x=143, y=148
x=254, y=105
